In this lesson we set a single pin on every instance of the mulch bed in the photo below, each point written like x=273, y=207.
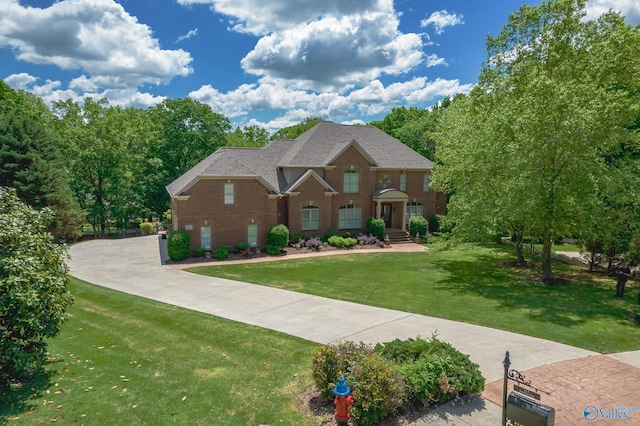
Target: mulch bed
x=287, y=251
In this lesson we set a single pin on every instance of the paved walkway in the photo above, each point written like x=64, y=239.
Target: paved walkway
x=133, y=266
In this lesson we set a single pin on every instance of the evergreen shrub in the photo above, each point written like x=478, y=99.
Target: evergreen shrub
x=278, y=236
x=178, y=245
x=376, y=227
x=418, y=225
x=222, y=252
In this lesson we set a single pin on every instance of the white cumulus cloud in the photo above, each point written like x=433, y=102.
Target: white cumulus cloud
x=442, y=19
x=630, y=9
x=96, y=36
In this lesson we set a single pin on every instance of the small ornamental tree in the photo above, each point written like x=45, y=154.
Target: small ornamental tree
x=178, y=245
x=33, y=287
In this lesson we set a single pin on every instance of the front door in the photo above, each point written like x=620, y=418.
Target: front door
x=387, y=209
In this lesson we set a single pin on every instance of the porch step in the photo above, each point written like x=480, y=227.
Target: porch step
x=398, y=236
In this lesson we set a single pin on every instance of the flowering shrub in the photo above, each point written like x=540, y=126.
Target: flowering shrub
x=369, y=240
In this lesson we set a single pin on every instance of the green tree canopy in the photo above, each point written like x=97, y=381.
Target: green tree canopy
x=294, y=131
x=556, y=95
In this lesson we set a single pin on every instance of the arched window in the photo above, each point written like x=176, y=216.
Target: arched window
x=349, y=217
x=310, y=218
x=351, y=181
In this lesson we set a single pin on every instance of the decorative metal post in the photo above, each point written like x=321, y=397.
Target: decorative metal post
x=507, y=364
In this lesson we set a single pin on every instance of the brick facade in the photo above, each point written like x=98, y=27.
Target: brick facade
x=265, y=200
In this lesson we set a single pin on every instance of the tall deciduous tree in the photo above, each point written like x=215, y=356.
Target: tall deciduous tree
x=191, y=131
x=555, y=96
x=33, y=287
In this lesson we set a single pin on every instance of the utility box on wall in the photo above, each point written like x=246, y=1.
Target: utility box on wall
x=529, y=412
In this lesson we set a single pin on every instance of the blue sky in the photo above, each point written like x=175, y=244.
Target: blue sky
x=265, y=62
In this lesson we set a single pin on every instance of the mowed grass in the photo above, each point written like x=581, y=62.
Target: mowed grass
x=469, y=283
x=125, y=360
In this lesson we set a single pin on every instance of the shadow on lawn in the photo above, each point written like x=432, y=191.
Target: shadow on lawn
x=19, y=398
x=582, y=298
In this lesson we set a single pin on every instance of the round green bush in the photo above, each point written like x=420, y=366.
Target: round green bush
x=178, y=245
x=278, y=236
x=418, y=225
x=147, y=228
x=222, y=252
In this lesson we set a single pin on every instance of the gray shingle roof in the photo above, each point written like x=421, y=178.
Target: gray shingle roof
x=318, y=147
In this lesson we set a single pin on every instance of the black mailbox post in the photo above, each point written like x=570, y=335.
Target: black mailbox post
x=529, y=412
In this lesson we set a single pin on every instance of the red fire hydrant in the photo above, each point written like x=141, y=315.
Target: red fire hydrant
x=343, y=401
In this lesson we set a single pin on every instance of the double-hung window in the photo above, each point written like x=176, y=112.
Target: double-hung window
x=252, y=235
x=228, y=193
x=351, y=181
x=310, y=218
x=425, y=183
x=403, y=182
x=349, y=217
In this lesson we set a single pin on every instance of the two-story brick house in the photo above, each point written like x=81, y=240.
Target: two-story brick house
x=331, y=177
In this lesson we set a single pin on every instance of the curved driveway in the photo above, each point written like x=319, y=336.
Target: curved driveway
x=133, y=266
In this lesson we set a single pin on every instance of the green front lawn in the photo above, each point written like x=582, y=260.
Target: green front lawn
x=467, y=283
x=130, y=361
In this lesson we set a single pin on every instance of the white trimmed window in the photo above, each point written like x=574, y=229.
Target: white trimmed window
x=351, y=181
x=228, y=193
x=310, y=218
x=414, y=209
x=425, y=183
x=403, y=182
x=205, y=237
x=349, y=217
x=252, y=235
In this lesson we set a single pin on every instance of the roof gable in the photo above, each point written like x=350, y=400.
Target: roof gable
x=304, y=177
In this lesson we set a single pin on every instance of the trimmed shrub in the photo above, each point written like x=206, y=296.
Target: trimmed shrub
x=178, y=245
x=242, y=246
x=329, y=362
x=147, y=228
x=418, y=225
x=222, y=252
x=433, y=370
x=340, y=242
x=198, y=252
x=273, y=250
x=278, y=236
x=376, y=227
x=377, y=391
